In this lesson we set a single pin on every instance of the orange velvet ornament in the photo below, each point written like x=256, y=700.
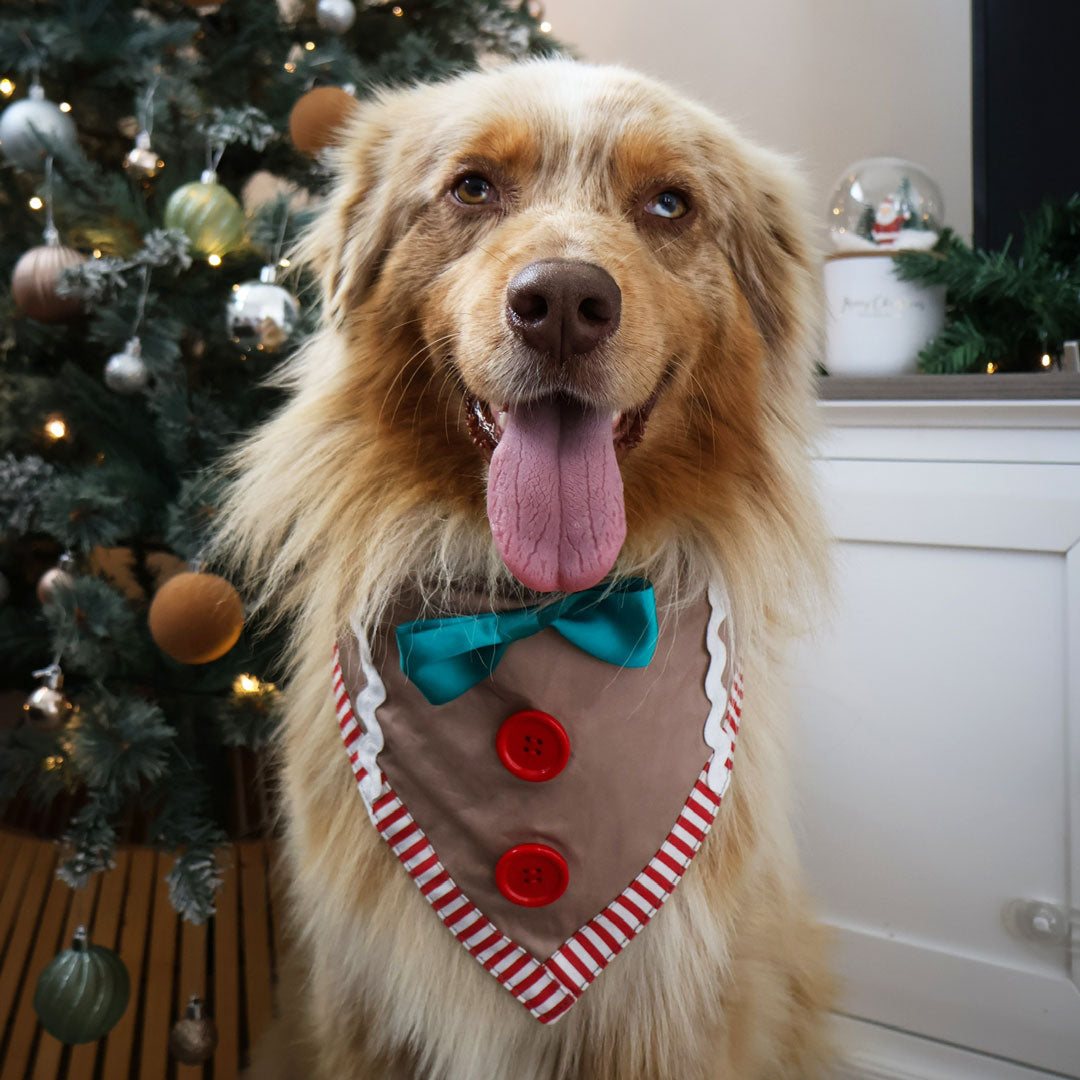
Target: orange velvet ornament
x=195, y=617
x=317, y=118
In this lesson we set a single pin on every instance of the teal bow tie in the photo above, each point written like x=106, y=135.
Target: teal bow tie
x=446, y=657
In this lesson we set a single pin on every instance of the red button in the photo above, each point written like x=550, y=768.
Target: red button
x=533, y=745
x=532, y=875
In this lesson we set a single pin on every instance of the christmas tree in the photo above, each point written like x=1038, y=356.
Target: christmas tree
x=160, y=157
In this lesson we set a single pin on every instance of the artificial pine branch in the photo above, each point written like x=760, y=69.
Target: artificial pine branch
x=1004, y=312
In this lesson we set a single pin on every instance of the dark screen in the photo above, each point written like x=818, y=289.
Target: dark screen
x=1026, y=110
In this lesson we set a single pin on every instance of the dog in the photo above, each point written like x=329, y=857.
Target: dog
x=569, y=321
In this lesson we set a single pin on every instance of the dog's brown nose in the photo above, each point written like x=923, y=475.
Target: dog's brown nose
x=563, y=307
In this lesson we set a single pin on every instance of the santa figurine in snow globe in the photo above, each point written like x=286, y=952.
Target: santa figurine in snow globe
x=877, y=324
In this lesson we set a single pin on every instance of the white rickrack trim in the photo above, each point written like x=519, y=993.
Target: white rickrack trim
x=717, y=735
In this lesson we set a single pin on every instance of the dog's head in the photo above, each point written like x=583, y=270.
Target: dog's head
x=566, y=296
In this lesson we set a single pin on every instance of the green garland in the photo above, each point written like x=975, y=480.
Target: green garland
x=1004, y=312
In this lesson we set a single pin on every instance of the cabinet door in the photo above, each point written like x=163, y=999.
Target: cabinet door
x=936, y=745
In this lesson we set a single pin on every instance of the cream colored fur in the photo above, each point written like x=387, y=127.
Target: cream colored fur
x=365, y=483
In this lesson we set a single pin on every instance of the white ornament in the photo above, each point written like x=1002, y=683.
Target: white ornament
x=337, y=16
x=261, y=315
x=33, y=128
x=126, y=371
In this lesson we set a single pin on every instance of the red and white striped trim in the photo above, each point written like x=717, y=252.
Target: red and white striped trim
x=550, y=987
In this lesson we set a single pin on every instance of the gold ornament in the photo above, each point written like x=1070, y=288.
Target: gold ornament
x=194, y=1037
x=48, y=708
x=317, y=118
x=196, y=617
x=34, y=281
x=142, y=161
x=208, y=214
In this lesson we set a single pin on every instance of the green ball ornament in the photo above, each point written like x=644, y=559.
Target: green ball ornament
x=208, y=215
x=83, y=992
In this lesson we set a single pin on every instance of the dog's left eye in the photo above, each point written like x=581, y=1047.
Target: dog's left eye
x=474, y=191
x=668, y=204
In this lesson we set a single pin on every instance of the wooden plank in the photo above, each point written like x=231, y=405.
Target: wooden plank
x=26, y=1026
x=25, y=922
x=192, y=981
x=157, y=1014
x=1016, y=386
x=256, y=936
x=105, y=930
x=23, y=849
x=227, y=973
x=118, y=1044
x=80, y=911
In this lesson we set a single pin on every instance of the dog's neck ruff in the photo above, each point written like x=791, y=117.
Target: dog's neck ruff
x=545, y=860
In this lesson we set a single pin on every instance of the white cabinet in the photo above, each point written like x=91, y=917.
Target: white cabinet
x=938, y=735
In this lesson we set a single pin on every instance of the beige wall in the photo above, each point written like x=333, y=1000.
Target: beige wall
x=830, y=81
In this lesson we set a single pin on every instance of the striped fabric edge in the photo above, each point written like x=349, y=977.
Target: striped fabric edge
x=547, y=988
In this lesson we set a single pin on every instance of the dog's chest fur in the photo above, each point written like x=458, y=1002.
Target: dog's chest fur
x=637, y=747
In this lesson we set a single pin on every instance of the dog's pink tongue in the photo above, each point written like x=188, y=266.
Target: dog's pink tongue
x=555, y=496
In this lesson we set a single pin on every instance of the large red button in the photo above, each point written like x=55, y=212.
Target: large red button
x=533, y=745
x=532, y=875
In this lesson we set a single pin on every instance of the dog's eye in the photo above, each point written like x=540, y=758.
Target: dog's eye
x=668, y=204
x=474, y=191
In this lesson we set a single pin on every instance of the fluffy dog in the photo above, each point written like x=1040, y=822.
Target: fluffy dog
x=568, y=328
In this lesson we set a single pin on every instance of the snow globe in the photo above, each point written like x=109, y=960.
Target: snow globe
x=877, y=324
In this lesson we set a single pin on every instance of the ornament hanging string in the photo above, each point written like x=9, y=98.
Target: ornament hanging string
x=279, y=243
x=214, y=153
x=52, y=235
x=146, y=106
x=140, y=308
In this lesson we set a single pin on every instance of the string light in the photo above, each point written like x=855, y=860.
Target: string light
x=64, y=106
x=991, y=368
x=53, y=762
x=290, y=67
x=55, y=428
x=1046, y=361
x=97, y=253
x=397, y=11
x=36, y=203
x=236, y=288
x=7, y=87
x=545, y=27
x=284, y=263
x=309, y=45
x=246, y=685
x=214, y=260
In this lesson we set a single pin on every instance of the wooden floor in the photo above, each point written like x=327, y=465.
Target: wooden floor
x=231, y=961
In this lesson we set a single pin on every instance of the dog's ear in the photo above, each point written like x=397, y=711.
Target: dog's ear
x=364, y=212
x=765, y=235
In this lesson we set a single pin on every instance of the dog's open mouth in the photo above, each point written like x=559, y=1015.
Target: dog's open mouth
x=555, y=493
x=487, y=423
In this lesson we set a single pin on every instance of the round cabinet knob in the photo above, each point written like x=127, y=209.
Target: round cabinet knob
x=533, y=745
x=1037, y=921
x=532, y=875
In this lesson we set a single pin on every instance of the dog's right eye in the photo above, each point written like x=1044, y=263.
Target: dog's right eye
x=474, y=191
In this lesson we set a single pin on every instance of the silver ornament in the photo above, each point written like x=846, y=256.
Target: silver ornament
x=47, y=708
x=33, y=128
x=60, y=577
x=261, y=315
x=126, y=371
x=142, y=160
x=337, y=16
